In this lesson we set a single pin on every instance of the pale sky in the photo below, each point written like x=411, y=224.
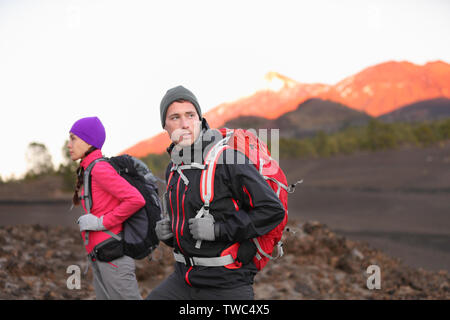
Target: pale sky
x=62, y=60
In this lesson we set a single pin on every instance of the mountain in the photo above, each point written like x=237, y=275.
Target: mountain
x=156, y=144
x=385, y=87
x=376, y=90
x=310, y=116
x=280, y=95
x=429, y=110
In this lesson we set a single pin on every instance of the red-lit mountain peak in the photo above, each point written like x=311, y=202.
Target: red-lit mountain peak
x=387, y=86
x=375, y=90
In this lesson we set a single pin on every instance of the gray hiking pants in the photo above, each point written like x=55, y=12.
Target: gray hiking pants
x=175, y=288
x=115, y=280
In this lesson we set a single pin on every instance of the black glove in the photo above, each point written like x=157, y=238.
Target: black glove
x=246, y=252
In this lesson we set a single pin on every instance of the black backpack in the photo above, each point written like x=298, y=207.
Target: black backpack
x=138, y=236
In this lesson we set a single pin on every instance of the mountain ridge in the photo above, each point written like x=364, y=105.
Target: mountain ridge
x=376, y=90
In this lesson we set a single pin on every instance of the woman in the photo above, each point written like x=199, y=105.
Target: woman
x=114, y=200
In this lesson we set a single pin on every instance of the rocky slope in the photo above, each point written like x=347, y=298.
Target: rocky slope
x=317, y=264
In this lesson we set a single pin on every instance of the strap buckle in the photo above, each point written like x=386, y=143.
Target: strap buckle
x=291, y=188
x=189, y=261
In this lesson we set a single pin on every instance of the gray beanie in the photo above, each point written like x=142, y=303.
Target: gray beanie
x=174, y=94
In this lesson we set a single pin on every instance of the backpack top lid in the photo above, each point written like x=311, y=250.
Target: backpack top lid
x=256, y=151
x=249, y=144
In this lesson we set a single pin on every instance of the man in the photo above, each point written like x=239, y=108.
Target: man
x=243, y=207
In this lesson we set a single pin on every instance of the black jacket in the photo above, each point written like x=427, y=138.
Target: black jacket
x=244, y=206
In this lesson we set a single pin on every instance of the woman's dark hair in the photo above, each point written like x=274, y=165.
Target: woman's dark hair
x=80, y=179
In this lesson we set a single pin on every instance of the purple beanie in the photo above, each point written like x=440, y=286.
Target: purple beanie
x=90, y=130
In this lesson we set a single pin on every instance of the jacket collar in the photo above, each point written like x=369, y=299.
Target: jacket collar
x=94, y=155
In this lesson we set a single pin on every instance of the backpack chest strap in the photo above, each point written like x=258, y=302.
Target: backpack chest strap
x=180, y=168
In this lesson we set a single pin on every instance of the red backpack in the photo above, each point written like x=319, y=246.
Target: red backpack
x=256, y=150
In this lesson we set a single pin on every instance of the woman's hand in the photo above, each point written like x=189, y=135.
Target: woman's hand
x=90, y=222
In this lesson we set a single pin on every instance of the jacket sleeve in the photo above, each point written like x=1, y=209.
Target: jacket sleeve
x=130, y=198
x=260, y=210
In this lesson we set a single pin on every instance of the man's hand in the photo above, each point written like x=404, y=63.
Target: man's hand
x=90, y=222
x=163, y=229
x=202, y=228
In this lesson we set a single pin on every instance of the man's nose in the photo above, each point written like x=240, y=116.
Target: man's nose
x=184, y=123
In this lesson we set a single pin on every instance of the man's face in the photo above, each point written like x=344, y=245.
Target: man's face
x=182, y=123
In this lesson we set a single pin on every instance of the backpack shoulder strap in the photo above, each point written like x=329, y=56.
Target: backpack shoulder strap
x=87, y=184
x=179, y=168
x=88, y=197
x=207, y=177
x=87, y=193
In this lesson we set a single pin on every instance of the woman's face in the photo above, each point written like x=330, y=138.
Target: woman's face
x=77, y=147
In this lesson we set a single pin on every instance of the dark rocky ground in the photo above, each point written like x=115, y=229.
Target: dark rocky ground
x=318, y=264
x=396, y=200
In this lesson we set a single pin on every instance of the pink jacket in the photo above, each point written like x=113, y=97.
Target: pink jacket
x=112, y=196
